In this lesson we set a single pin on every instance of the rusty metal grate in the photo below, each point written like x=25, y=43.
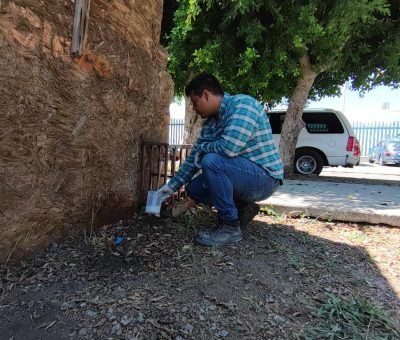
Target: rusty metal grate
x=160, y=162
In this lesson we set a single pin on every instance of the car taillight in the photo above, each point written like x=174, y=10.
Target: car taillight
x=350, y=144
x=388, y=154
x=356, y=150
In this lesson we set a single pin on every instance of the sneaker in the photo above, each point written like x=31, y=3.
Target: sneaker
x=222, y=235
x=246, y=212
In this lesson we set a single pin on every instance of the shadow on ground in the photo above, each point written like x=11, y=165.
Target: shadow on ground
x=157, y=284
x=350, y=179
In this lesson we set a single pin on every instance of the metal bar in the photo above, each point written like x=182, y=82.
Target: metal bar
x=80, y=27
x=159, y=166
x=173, y=160
x=181, y=145
x=151, y=168
x=142, y=184
x=180, y=164
x=166, y=165
x=173, y=166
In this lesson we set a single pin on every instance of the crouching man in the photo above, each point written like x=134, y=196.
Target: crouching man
x=240, y=163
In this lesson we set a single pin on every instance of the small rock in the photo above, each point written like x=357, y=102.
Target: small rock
x=187, y=329
x=83, y=332
x=140, y=317
x=125, y=320
x=200, y=313
x=96, y=299
x=269, y=298
x=110, y=314
x=67, y=305
x=91, y=314
x=212, y=307
x=222, y=334
x=279, y=318
x=178, y=337
x=116, y=329
x=185, y=309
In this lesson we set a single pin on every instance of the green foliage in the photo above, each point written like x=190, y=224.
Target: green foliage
x=254, y=46
x=354, y=319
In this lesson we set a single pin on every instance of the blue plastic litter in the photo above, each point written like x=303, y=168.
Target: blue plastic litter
x=119, y=240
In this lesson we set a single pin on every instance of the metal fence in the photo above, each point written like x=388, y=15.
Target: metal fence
x=176, y=131
x=370, y=134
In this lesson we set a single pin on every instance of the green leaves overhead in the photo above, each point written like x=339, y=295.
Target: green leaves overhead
x=254, y=46
x=247, y=59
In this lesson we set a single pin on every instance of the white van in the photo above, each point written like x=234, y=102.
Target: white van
x=327, y=139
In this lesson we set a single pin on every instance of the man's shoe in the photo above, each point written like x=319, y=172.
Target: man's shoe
x=246, y=212
x=220, y=236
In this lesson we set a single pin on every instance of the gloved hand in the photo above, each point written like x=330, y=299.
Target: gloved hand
x=164, y=192
x=197, y=159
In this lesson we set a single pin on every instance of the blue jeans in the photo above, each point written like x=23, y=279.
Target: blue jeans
x=225, y=180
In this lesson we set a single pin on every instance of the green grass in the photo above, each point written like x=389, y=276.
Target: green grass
x=356, y=318
x=356, y=237
x=269, y=211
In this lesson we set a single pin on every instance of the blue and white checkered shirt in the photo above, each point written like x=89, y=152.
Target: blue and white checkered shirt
x=242, y=129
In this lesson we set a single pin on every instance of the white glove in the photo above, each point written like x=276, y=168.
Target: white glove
x=164, y=192
x=197, y=159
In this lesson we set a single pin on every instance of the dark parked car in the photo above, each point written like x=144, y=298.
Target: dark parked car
x=386, y=152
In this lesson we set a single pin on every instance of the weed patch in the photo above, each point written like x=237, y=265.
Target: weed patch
x=356, y=318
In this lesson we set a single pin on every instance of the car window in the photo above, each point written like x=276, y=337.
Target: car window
x=316, y=122
x=394, y=145
x=276, y=121
x=322, y=122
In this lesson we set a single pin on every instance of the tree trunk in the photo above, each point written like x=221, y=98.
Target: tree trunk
x=193, y=123
x=293, y=122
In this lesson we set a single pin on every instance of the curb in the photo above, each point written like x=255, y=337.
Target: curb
x=330, y=214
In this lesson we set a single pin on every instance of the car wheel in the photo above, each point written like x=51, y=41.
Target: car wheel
x=381, y=162
x=371, y=161
x=308, y=162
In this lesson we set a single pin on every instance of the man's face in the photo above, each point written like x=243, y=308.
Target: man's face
x=204, y=105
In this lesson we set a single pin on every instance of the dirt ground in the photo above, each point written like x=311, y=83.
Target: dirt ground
x=275, y=284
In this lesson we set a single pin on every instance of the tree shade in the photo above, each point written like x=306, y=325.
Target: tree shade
x=295, y=49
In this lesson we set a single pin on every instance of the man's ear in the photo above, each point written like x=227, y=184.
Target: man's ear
x=206, y=94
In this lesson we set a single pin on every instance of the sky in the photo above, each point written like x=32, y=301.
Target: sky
x=380, y=104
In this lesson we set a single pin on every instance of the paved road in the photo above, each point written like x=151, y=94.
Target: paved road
x=366, y=193
x=365, y=170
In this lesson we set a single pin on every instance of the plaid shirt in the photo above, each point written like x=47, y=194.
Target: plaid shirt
x=242, y=129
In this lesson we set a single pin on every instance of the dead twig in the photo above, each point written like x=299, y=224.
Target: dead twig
x=157, y=325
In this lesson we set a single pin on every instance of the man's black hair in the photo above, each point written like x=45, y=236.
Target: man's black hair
x=204, y=81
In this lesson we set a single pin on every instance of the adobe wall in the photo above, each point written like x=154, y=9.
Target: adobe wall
x=70, y=130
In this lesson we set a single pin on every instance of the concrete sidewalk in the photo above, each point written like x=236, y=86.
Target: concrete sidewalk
x=375, y=204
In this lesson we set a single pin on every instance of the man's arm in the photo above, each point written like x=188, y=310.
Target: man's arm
x=189, y=168
x=240, y=126
x=185, y=172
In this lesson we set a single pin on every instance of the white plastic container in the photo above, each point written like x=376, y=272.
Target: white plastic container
x=153, y=204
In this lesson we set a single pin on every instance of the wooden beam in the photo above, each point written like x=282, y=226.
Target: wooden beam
x=80, y=27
